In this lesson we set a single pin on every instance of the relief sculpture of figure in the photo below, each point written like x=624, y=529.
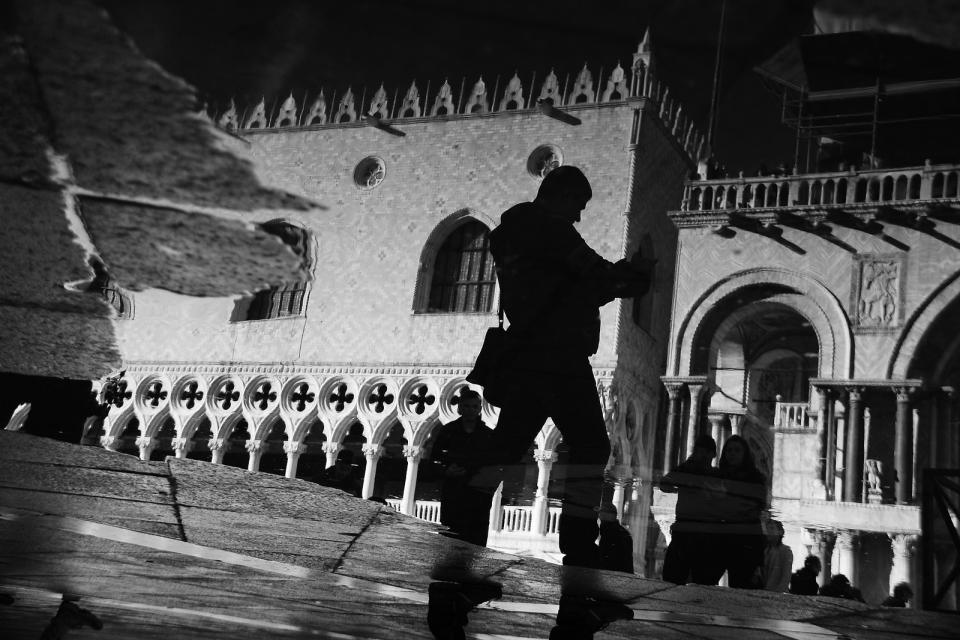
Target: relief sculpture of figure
x=878, y=293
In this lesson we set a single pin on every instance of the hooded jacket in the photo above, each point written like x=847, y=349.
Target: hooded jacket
x=552, y=285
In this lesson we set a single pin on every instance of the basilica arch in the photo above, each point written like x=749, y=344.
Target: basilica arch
x=815, y=302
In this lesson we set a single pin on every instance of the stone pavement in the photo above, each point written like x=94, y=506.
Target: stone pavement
x=187, y=549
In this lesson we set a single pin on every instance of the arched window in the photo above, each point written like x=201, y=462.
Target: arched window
x=463, y=277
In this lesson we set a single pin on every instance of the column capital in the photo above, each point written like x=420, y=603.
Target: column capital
x=372, y=450
x=146, y=442
x=847, y=538
x=412, y=452
x=331, y=447
x=545, y=456
x=108, y=442
x=854, y=393
x=822, y=537
x=294, y=447
x=253, y=446
x=182, y=444
x=216, y=443
x=903, y=393
x=904, y=544
x=673, y=388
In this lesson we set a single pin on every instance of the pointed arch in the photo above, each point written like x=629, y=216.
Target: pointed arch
x=425, y=298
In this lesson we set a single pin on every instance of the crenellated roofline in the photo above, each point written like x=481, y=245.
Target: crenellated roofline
x=549, y=95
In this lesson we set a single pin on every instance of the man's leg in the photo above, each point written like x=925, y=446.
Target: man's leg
x=578, y=415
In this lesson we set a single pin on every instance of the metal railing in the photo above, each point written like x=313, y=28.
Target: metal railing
x=940, y=546
x=929, y=182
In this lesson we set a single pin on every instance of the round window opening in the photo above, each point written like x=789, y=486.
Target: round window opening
x=369, y=172
x=543, y=160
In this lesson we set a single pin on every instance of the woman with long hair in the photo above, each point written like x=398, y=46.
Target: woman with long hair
x=744, y=499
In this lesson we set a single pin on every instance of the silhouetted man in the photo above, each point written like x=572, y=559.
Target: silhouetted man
x=552, y=286
x=692, y=552
x=458, y=450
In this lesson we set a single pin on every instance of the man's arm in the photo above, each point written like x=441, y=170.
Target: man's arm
x=608, y=280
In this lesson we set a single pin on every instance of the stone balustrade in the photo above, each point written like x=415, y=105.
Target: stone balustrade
x=819, y=190
x=793, y=415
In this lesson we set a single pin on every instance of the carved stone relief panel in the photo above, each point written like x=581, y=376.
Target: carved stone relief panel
x=877, y=292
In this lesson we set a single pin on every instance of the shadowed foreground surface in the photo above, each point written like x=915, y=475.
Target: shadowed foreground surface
x=187, y=549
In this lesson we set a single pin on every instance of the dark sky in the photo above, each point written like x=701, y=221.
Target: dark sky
x=246, y=50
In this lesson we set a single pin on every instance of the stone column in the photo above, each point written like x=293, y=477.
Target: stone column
x=217, y=449
x=618, y=498
x=846, y=549
x=823, y=542
x=541, y=503
x=331, y=449
x=673, y=425
x=293, y=451
x=717, y=429
x=903, y=446
x=495, y=504
x=146, y=445
x=255, y=449
x=408, y=504
x=181, y=447
x=853, y=465
x=372, y=453
x=904, y=547
x=823, y=435
x=696, y=390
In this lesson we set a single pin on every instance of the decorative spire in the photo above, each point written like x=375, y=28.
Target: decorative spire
x=644, y=53
x=379, y=107
x=288, y=113
x=318, y=111
x=550, y=90
x=582, y=87
x=228, y=121
x=257, y=119
x=512, y=95
x=616, y=85
x=411, y=102
x=443, y=103
x=346, y=112
x=478, y=98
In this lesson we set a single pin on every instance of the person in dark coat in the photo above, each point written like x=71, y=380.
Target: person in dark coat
x=552, y=285
x=458, y=449
x=902, y=593
x=803, y=582
x=616, y=543
x=741, y=538
x=840, y=587
x=692, y=554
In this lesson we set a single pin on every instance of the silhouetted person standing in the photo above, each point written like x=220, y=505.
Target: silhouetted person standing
x=804, y=581
x=458, y=449
x=744, y=497
x=902, y=593
x=552, y=285
x=693, y=550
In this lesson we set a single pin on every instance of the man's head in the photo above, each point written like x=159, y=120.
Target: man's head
x=775, y=531
x=903, y=591
x=565, y=192
x=469, y=405
x=813, y=563
x=704, y=448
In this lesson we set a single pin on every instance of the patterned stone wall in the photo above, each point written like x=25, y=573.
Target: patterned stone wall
x=370, y=241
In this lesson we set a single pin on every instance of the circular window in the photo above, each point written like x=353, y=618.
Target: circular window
x=369, y=172
x=543, y=160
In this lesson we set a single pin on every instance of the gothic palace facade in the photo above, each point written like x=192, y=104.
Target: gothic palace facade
x=809, y=312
